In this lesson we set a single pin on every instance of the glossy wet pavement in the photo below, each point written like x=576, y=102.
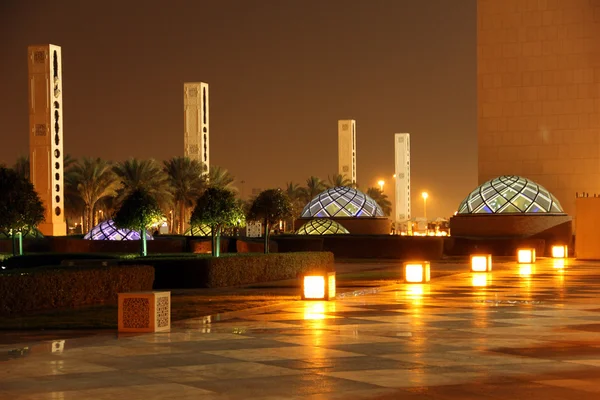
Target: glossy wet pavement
x=522, y=332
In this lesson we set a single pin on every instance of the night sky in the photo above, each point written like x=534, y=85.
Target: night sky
x=281, y=73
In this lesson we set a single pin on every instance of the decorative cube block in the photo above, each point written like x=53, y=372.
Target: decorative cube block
x=526, y=256
x=144, y=311
x=481, y=262
x=417, y=271
x=561, y=251
x=318, y=286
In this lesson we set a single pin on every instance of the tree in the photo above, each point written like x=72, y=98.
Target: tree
x=295, y=194
x=146, y=175
x=92, y=179
x=220, y=177
x=314, y=186
x=337, y=180
x=22, y=168
x=217, y=208
x=139, y=211
x=20, y=206
x=381, y=199
x=187, y=183
x=271, y=206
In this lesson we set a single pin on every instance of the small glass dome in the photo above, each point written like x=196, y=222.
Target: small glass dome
x=510, y=194
x=27, y=233
x=107, y=230
x=342, y=201
x=322, y=226
x=198, y=230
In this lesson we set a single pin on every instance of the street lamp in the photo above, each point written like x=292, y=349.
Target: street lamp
x=425, y=196
x=381, y=183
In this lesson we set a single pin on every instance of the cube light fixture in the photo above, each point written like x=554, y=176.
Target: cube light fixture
x=481, y=262
x=417, y=271
x=526, y=256
x=560, y=251
x=318, y=286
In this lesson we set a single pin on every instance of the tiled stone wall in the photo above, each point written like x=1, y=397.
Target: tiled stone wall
x=538, y=84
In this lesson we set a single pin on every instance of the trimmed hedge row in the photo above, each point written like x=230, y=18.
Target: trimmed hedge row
x=233, y=270
x=44, y=288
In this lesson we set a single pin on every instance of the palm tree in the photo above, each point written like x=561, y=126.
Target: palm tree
x=337, y=180
x=296, y=195
x=146, y=175
x=187, y=184
x=22, y=168
x=221, y=178
x=381, y=199
x=92, y=179
x=314, y=186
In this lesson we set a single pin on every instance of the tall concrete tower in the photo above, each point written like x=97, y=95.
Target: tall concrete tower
x=46, y=134
x=538, y=88
x=196, y=122
x=347, y=149
x=402, y=164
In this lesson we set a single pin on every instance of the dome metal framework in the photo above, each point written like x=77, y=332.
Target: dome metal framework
x=510, y=194
x=342, y=201
x=28, y=233
x=199, y=230
x=322, y=226
x=107, y=230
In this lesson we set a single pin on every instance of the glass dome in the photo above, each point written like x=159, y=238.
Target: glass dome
x=107, y=230
x=198, y=230
x=27, y=233
x=322, y=226
x=510, y=194
x=342, y=201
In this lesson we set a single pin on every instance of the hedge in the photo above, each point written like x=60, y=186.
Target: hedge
x=59, y=287
x=234, y=269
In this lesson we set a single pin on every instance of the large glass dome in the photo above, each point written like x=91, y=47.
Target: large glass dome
x=321, y=226
x=342, y=201
x=510, y=194
x=107, y=230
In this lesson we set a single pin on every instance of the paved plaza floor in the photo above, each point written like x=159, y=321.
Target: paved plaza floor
x=520, y=332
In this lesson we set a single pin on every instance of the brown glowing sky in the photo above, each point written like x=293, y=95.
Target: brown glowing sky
x=281, y=74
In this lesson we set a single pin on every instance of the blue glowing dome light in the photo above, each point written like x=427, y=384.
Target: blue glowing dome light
x=107, y=230
x=510, y=194
x=199, y=230
x=322, y=226
x=342, y=201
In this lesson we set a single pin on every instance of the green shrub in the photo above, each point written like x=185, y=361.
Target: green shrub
x=232, y=269
x=45, y=259
x=59, y=287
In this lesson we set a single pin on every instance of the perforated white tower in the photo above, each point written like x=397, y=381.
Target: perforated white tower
x=402, y=151
x=46, y=134
x=196, y=122
x=347, y=148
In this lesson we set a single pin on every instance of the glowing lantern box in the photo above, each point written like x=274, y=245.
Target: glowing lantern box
x=318, y=286
x=561, y=251
x=144, y=312
x=481, y=262
x=417, y=271
x=526, y=256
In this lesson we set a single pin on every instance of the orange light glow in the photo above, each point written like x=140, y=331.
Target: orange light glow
x=526, y=256
x=481, y=262
x=417, y=272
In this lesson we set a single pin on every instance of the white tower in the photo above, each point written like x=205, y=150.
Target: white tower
x=46, y=134
x=402, y=151
x=347, y=149
x=196, y=122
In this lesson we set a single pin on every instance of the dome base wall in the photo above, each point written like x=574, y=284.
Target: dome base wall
x=357, y=225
